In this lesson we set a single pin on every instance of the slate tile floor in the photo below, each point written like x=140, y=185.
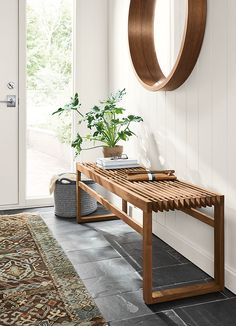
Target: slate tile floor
x=108, y=257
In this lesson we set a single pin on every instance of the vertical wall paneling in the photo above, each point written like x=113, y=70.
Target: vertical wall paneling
x=91, y=58
x=219, y=92
x=180, y=143
x=220, y=103
x=160, y=138
x=192, y=128
x=170, y=144
x=230, y=161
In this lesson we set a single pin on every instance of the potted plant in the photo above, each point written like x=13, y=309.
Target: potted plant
x=105, y=122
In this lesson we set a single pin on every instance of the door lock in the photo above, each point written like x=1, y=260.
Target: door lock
x=11, y=101
x=11, y=85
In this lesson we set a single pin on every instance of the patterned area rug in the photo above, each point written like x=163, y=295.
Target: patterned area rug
x=38, y=284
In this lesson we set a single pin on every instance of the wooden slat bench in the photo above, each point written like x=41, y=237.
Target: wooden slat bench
x=158, y=197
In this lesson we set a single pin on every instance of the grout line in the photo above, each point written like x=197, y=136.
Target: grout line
x=167, y=286
x=132, y=318
x=175, y=313
x=167, y=266
x=203, y=303
x=194, y=322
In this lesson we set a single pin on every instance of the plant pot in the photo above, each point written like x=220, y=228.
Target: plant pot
x=112, y=151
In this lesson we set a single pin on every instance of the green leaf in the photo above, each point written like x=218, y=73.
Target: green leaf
x=73, y=105
x=129, y=133
x=122, y=135
x=135, y=118
x=96, y=108
x=76, y=144
x=59, y=111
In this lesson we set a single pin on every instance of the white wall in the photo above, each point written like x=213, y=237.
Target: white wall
x=91, y=57
x=191, y=129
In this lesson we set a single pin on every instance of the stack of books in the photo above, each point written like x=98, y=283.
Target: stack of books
x=109, y=163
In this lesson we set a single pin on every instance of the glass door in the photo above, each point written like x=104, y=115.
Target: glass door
x=49, y=30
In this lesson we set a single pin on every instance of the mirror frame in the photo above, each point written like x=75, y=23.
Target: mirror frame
x=142, y=45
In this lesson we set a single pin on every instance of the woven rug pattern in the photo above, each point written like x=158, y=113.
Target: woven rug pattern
x=38, y=284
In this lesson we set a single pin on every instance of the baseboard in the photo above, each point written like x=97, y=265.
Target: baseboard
x=197, y=255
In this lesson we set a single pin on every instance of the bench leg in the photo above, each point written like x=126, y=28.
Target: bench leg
x=151, y=297
x=219, y=243
x=124, y=206
x=78, y=201
x=147, y=257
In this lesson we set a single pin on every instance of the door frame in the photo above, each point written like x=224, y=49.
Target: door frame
x=22, y=102
x=22, y=122
x=23, y=202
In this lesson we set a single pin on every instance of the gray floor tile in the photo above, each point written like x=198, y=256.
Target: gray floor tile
x=113, y=284
x=228, y=293
x=218, y=313
x=92, y=255
x=54, y=222
x=74, y=243
x=187, y=302
x=168, y=318
x=100, y=210
x=126, y=238
x=149, y=320
x=65, y=228
x=171, y=318
x=73, y=233
x=123, y=306
x=177, y=274
x=115, y=227
x=110, y=268
x=172, y=252
x=160, y=258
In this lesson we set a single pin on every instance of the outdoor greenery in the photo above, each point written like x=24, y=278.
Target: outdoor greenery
x=105, y=122
x=49, y=63
x=49, y=46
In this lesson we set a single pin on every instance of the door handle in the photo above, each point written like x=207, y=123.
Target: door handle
x=11, y=101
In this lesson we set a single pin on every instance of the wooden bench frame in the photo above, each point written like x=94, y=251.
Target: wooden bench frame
x=127, y=195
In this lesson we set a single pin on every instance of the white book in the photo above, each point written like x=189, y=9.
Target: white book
x=127, y=166
x=107, y=161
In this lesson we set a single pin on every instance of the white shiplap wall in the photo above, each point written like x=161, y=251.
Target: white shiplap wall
x=90, y=59
x=191, y=129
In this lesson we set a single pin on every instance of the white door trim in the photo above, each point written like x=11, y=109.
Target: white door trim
x=22, y=103
x=23, y=202
x=22, y=124
x=10, y=117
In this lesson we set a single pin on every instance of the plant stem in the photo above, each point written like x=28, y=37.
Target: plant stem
x=79, y=113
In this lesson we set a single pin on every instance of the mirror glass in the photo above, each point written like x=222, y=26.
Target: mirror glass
x=169, y=25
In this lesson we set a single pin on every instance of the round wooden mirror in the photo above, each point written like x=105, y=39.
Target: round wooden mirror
x=165, y=38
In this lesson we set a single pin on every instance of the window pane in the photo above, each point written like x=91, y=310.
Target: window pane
x=49, y=86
